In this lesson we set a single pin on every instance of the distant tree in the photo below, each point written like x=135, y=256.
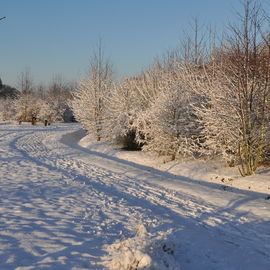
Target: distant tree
x=27, y=99
x=8, y=92
x=26, y=107
x=57, y=97
x=25, y=82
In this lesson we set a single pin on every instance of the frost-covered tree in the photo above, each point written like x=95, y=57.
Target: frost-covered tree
x=88, y=101
x=85, y=106
x=129, y=101
x=248, y=67
x=215, y=111
x=56, y=99
x=236, y=91
x=122, y=109
x=27, y=106
x=169, y=126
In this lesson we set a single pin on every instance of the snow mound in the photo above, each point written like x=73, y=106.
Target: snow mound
x=143, y=251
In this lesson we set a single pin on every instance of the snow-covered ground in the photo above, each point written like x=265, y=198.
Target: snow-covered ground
x=213, y=171
x=68, y=204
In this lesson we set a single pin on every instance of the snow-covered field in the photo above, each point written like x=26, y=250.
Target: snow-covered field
x=65, y=204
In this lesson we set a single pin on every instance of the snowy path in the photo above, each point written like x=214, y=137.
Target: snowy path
x=60, y=204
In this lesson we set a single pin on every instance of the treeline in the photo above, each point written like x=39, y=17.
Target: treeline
x=208, y=98
x=39, y=102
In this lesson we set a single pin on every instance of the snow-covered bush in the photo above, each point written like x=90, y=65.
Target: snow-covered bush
x=170, y=127
x=53, y=109
x=56, y=99
x=127, y=100
x=143, y=251
x=49, y=112
x=27, y=106
x=30, y=105
x=215, y=112
x=121, y=110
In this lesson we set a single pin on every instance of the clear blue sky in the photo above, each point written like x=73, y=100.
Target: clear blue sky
x=58, y=36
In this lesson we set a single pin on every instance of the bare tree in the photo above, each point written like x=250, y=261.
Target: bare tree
x=25, y=82
x=193, y=47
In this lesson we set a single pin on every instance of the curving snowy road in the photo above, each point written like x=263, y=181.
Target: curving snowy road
x=60, y=204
